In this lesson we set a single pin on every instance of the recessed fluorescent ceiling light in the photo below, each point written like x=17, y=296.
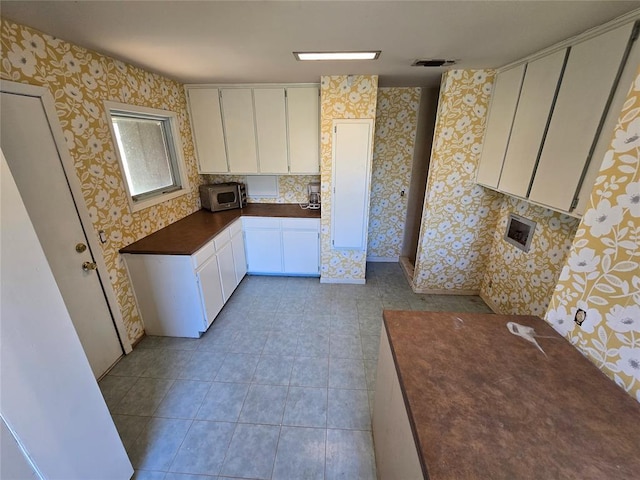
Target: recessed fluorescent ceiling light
x=372, y=55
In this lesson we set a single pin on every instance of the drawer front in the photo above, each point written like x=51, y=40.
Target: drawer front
x=235, y=227
x=261, y=222
x=203, y=254
x=301, y=224
x=222, y=239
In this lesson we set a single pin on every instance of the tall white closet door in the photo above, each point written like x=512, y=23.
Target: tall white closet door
x=503, y=107
x=204, y=104
x=237, y=111
x=271, y=129
x=352, y=141
x=588, y=79
x=303, y=110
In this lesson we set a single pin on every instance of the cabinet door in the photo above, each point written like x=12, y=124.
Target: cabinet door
x=301, y=252
x=303, y=111
x=609, y=125
x=227, y=270
x=264, y=251
x=271, y=130
x=503, y=107
x=239, y=258
x=210, y=290
x=351, y=179
x=206, y=121
x=530, y=123
x=239, y=130
x=590, y=75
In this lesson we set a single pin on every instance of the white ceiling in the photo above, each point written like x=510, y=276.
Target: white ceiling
x=252, y=42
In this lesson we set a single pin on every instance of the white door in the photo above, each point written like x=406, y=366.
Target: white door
x=271, y=130
x=301, y=252
x=239, y=258
x=303, y=112
x=504, y=102
x=206, y=120
x=50, y=401
x=210, y=289
x=239, y=130
x=352, y=140
x=227, y=270
x=264, y=251
x=589, y=78
x=34, y=161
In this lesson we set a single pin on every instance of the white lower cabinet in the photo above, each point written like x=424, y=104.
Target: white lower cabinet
x=181, y=295
x=227, y=270
x=264, y=250
x=239, y=258
x=282, y=246
x=210, y=290
x=395, y=448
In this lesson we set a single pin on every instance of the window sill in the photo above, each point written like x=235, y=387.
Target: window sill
x=150, y=202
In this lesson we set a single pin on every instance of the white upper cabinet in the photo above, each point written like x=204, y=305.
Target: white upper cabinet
x=590, y=75
x=503, y=107
x=539, y=89
x=303, y=119
x=208, y=135
x=604, y=142
x=239, y=129
x=559, y=117
x=271, y=130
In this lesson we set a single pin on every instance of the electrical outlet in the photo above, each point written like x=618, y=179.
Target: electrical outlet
x=580, y=316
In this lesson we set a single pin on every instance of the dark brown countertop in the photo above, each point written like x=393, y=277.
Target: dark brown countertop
x=484, y=403
x=188, y=235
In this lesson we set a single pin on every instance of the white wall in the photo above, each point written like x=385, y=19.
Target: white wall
x=50, y=399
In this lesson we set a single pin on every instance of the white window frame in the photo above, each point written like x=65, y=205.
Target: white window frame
x=165, y=115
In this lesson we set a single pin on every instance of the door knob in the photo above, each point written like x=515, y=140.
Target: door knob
x=86, y=266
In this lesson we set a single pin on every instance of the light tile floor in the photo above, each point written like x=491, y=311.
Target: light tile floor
x=280, y=387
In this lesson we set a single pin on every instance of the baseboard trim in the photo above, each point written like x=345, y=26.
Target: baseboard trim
x=431, y=291
x=407, y=269
x=383, y=259
x=494, y=308
x=350, y=281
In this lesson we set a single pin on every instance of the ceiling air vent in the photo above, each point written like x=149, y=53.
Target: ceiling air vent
x=436, y=62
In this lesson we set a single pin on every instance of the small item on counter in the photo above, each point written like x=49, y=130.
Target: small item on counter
x=528, y=333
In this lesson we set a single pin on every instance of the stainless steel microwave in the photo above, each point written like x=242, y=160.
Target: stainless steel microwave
x=223, y=196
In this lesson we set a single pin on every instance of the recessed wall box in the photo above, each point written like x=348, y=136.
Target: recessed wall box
x=519, y=232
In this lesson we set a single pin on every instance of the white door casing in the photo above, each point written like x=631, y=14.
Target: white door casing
x=34, y=145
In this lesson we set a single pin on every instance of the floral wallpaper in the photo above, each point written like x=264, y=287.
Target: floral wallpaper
x=601, y=276
x=394, y=141
x=80, y=80
x=342, y=96
x=522, y=283
x=459, y=217
x=291, y=188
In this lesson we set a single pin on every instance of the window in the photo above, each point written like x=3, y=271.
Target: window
x=149, y=152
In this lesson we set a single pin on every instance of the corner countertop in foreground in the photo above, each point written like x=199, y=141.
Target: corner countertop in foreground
x=188, y=235
x=484, y=403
